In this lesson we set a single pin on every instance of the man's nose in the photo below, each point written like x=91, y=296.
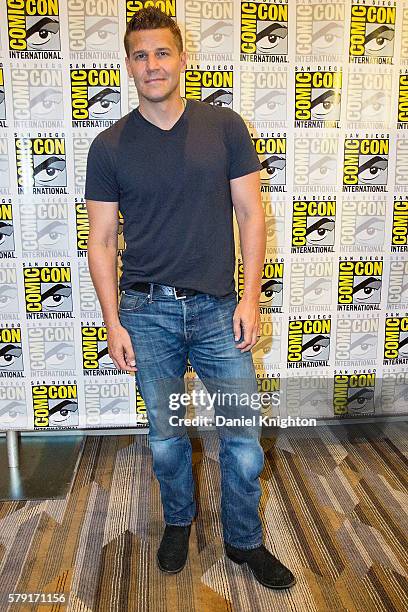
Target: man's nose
x=152, y=62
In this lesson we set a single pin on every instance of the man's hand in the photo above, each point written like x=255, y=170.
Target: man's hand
x=120, y=348
x=246, y=317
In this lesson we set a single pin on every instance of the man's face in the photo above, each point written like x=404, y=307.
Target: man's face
x=155, y=63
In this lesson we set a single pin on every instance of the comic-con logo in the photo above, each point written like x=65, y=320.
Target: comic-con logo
x=107, y=403
x=308, y=342
x=263, y=96
x=95, y=354
x=368, y=101
x=13, y=405
x=363, y=224
x=52, y=349
x=272, y=291
x=209, y=28
x=2, y=99
x=41, y=165
x=55, y=406
x=34, y=28
x=399, y=232
x=310, y=284
x=272, y=155
x=267, y=351
x=264, y=32
x=7, y=244
x=356, y=340
x=313, y=223
x=93, y=26
x=315, y=162
x=11, y=351
x=365, y=164
x=44, y=229
x=95, y=96
x=37, y=95
x=317, y=98
x=48, y=290
x=319, y=30
x=167, y=6
x=372, y=32
x=270, y=387
x=394, y=392
x=212, y=86
x=396, y=340
x=353, y=394
x=359, y=285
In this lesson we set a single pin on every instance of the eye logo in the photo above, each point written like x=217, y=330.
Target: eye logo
x=95, y=349
x=308, y=342
x=319, y=29
x=12, y=413
x=11, y=352
x=95, y=95
x=360, y=283
x=372, y=32
x=48, y=290
x=264, y=29
x=55, y=405
x=365, y=162
x=313, y=226
x=353, y=394
x=272, y=39
x=41, y=165
x=317, y=99
x=272, y=286
x=272, y=155
x=101, y=34
x=34, y=27
x=216, y=36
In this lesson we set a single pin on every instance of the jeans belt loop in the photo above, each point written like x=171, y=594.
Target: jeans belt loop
x=151, y=293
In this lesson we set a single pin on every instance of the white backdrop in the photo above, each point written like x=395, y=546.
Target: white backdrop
x=323, y=87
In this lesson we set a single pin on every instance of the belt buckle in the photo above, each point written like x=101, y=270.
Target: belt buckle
x=178, y=297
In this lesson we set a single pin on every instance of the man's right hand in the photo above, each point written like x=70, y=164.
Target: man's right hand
x=120, y=348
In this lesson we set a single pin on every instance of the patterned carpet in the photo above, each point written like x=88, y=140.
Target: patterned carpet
x=333, y=507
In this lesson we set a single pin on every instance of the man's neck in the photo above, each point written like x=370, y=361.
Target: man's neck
x=162, y=114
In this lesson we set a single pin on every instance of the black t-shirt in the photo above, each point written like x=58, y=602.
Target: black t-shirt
x=174, y=194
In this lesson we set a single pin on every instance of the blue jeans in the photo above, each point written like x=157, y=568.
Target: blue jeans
x=165, y=332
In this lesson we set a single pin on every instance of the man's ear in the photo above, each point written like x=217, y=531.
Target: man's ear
x=128, y=66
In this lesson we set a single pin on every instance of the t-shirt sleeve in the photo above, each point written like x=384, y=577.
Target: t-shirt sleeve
x=243, y=157
x=100, y=183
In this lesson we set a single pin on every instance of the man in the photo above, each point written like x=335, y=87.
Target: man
x=177, y=168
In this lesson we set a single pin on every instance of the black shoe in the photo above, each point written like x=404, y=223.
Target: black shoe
x=266, y=568
x=173, y=549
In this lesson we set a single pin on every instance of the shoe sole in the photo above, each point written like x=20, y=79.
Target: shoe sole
x=268, y=586
x=166, y=571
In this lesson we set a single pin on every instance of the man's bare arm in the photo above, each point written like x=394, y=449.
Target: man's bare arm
x=103, y=266
x=246, y=198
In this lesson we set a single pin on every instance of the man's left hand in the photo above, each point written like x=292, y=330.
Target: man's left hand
x=246, y=322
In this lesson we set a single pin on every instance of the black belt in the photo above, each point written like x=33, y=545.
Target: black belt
x=176, y=292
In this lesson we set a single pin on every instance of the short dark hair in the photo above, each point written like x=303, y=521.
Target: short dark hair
x=152, y=18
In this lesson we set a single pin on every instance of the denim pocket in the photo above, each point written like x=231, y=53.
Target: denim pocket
x=130, y=302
